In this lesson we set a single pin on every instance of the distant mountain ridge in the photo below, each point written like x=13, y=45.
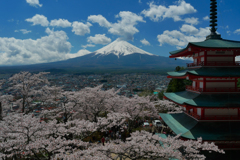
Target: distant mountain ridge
x=117, y=55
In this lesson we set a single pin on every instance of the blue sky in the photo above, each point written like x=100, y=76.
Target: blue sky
x=37, y=31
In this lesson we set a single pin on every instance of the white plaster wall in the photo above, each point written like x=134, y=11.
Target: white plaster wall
x=199, y=111
x=194, y=84
x=220, y=84
x=223, y=79
x=217, y=112
x=225, y=59
x=202, y=59
x=201, y=53
x=217, y=53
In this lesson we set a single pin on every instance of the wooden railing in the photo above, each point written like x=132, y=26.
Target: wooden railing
x=219, y=89
x=216, y=63
x=193, y=115
x=221, y=117
x=213, y=117
x=223, y=89
x=194, y=88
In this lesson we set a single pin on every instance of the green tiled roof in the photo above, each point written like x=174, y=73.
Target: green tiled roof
x=209, y=71
x=181, y=123
x=212, y=43
x=217, y=43
x=181, y=97
x=177, y=51
x=205, y=100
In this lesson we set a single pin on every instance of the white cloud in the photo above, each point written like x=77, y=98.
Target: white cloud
x=60, y=23
x=24, y=31
x=157, y=13
x=80, y=28
x=102, y=21
x=99, y=39
x=189, y=29
x=237, y=31
x=186, y=58
x=179, y=39
x=145, y=42
x=34, y=3
x=53, y=47
x=192, y=21
x=81, y=52
x=88, y=45
x=206, y=18
x=126, y=26
x=38, y=20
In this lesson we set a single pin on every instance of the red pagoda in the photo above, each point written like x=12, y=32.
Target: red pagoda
x=212, y=103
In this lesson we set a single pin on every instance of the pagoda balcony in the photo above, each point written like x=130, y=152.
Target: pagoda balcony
x=219, y=89
x=223, y=89
x=191, y=88
x=213, y=117
x=221, y=117
x=218, y=63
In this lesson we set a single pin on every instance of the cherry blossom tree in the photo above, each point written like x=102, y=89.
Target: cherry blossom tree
x=167, y=106
x=144, y=145
x=24, y=135
x=26, y=85
x=79, y=115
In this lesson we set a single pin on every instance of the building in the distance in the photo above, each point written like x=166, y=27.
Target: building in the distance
x=212, y=103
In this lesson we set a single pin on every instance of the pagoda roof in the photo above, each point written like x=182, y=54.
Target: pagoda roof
x=208, y=100
x=209, y=72
x=217, y=43
x=208, y=43
x=189, y=128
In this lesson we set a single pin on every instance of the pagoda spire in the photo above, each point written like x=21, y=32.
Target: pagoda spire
x=213, y=21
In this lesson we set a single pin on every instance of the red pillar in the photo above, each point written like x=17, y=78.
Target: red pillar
x=202, y=113
x=205, y=58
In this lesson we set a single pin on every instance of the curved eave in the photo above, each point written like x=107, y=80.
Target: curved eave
x=205, y=100
x=217, y=43
x=189, y=128
x=207, y=45
x=181, y=52
x=207, y=72
x=181, y=97
x=177, y=74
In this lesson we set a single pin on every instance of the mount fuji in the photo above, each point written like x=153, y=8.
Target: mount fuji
x=117, y=55
x=120, y=48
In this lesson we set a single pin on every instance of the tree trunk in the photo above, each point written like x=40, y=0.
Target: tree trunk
x=23, y=104
x=1, y=111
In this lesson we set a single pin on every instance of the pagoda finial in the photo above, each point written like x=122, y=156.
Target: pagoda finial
x=213, y=21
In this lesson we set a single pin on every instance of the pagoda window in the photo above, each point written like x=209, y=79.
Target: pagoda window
x=201, y=54
x=195, y=60
x=199, y=111
x=201, y=85
x=220, y=53
x=227, y=59
x=194, y=84
x=220, y=84
x=221, y=112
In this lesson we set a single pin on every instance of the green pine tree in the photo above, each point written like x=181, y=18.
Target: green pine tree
x=177, y=85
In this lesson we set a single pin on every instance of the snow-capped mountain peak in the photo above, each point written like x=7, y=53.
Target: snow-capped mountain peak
x=120, y=47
